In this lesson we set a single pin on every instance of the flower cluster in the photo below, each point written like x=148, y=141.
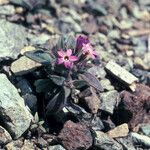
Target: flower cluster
x=83, y=47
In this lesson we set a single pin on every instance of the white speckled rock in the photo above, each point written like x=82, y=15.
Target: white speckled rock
x=13, y=111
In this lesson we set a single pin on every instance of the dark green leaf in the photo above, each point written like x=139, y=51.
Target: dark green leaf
x=92, y=80
x=66, y=42
x=58, y=101
x=58, y=80
x=43, y=85
x=79, y=83
x=40, y=56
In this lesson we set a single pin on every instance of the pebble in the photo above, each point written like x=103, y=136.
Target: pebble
x=120, y=131
x=75, y=136
x=108, y=101
x=4, y=136
x=12, y=39
x=103, y=141
x=23, y=66
x=7, y=10
x=141, y=139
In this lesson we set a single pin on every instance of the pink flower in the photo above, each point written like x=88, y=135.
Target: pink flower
x=88, y=51
x=66, y=58
x=80, y=41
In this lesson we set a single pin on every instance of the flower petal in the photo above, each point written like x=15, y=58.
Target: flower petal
x=60, y=61
x=69, y=52
x=61, y=53
x=73, y=58
x=68, y=64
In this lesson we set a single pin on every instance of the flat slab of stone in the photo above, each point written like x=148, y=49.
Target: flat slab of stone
x=12, y=39
x=23, y=66
x=120, y=73
x=13, y=112
x=120, y=131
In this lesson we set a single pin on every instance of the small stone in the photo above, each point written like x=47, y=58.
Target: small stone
x=7, y=10
x=42, y=143
x=103, y=141
x=56, y=147
x=120, y=73
x=28, y=145
x=141, y=139
x=133, y=106
x=13, y=112
x=120, y=131
x=4, y=136
x=114, y=34
x=106, y=84
x=26, y=49
x=108, y=101
x=75, y=136
x=23, y=66
x=2, y=2
x=12, y=39
x=126, y=142
x=38, y=40
x=145, y=129
x=92, y=101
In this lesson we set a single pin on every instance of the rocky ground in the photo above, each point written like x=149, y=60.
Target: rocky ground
x=119, y=119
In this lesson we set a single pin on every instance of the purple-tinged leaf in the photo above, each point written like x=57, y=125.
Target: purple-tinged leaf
x=58, y=101
x=92, y=81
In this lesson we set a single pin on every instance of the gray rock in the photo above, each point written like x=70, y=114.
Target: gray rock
x=12, y=39
x=145, y=129
x=109, y=101
x=56, y=147
x=103, y=141
x=141, y=139
x=13, y=111
x=106, y=84
x=7, y=10
x=126, y=142
x=38, y=40
x=4, y=136
x=24, y=65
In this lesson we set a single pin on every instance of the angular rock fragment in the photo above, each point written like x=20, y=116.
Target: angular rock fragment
x=23, y=66
x=120, y=73
x=7, y=10
x=145, y=129
x=141, y=139
x=13, y=111
x=4, y=136
x=119, y=131
x=12, y=39
x=109, y=101
x=126, y=142
x=91, y=100
x=103, y=141
x=56, y=147
x=133, y=107
x=75, y=136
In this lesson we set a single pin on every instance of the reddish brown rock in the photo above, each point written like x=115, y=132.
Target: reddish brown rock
x=75, y=136
x=134, y=107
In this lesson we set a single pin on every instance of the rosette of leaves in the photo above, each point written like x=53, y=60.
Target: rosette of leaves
x=37, y=125
x=60, y=84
